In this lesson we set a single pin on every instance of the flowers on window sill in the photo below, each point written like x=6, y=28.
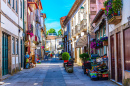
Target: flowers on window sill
x=29, y=32
x=112, y=8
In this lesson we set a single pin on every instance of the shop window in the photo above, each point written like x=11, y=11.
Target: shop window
x=16, y=46
x=13, y=45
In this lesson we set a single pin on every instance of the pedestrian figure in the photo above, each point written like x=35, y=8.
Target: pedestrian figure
x=46, y=56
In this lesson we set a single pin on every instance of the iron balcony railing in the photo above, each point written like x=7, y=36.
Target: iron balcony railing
x=83, y=24
x=31, y=0
x=113, y=14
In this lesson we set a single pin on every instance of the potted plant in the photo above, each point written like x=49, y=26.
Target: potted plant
x=104, y=40
x=108, y=8
x=65, y=57
x=126, y=82
x=85, y=58
x=116, y=6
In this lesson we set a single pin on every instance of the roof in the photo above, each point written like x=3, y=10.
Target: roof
x=75, y=6
x=99, y=14
x=62, y=20
x=51, y=37
x=43, y=15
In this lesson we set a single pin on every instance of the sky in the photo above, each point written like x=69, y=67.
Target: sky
x=55, y=9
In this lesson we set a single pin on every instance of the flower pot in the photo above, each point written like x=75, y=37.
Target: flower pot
x=115, y=14
x=65, y=61
x=105, y=43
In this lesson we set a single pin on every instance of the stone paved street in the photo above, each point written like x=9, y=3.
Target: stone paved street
x=52, y=73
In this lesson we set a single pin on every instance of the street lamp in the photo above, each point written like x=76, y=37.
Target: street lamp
x=82, y=9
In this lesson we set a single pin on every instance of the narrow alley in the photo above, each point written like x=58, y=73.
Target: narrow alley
x=52, y=73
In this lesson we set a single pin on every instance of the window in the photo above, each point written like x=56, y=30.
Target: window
x=21, y=9
x=9, y=1
x=16, y=7
x=13, y=48
x=13, y=4
x=16, y=46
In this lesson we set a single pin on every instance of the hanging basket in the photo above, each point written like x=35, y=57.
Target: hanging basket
x=105, y=43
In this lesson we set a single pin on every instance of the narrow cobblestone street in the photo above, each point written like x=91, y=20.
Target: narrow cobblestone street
x=52, y=73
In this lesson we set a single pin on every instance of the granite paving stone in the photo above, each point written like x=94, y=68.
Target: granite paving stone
x=52, y=73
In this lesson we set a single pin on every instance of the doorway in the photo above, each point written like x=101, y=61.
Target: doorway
x=4, y=54
x=119, y=65
x=112, y=58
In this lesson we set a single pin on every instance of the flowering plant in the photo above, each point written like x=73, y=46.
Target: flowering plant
x=108, y=9
x=116, y=5
x=104, y=39
x=42, y=47
x=99, y=43
x=93, y=45
x=29, y=32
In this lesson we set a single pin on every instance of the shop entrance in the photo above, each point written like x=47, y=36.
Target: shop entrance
x=4, y=54
x=112, y=58
x=119, y=65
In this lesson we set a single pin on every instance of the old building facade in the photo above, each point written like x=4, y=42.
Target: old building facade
x=11, y=29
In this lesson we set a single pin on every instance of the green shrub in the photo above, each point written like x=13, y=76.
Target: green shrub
x=126, y=82
x=65, y=56
x=84, y=56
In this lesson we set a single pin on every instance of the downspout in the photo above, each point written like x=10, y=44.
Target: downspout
x=23, y=53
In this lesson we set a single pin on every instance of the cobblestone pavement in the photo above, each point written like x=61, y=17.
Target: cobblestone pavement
x=52, y=73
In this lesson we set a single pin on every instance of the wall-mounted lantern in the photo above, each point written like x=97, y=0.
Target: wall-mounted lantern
x=82, y=9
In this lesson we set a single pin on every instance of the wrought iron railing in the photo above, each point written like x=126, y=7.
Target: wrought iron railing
x=113, y=14
x=31, y=0
x=83, y=24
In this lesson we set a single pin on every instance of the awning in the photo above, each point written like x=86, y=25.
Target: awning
x=81, y=42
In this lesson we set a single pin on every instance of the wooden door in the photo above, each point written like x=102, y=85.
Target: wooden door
x=112, y=58
x=119, y=65
x=4, y=54
x=127, y=49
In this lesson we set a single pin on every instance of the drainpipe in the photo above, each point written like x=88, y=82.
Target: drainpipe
x=23, y=53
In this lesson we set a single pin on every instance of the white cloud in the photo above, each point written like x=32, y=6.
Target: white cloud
x=55, y=25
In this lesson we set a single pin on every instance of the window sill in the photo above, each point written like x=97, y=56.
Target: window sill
x=9, y=5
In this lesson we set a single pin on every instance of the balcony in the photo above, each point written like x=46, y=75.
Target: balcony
x=77, y=28
x=37, y=19
x=33, y=2
x=114, y=18
x=83, y=25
